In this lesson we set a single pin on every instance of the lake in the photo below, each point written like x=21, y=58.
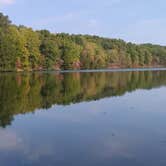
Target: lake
x=97, y=118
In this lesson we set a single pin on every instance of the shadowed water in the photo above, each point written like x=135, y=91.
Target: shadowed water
x=83, y=118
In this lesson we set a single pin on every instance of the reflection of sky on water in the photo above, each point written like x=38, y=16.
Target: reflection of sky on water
x=128, y=129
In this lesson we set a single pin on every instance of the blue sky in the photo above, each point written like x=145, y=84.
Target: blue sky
x=139, y=21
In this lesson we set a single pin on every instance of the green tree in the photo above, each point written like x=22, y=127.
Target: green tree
x=71, y=55
x=32, y=45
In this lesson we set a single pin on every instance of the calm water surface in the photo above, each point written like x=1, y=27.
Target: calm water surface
x=83, y=119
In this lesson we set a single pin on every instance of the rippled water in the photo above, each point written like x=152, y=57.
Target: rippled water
x=83, y=118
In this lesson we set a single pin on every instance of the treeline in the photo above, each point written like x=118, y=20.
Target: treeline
x=22, y=93
x=22, y=48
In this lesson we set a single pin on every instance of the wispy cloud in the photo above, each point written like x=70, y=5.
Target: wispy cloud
x=55, y=19
x=72, y=22
x=151, y=30
x=6, y=2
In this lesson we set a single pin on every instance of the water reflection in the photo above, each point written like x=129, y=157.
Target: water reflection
x=39, y=125
x=23, y=93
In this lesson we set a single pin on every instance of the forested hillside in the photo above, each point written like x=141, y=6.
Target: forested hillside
x=22, y=48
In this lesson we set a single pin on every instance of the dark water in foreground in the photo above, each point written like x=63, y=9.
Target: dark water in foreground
x=83, y=119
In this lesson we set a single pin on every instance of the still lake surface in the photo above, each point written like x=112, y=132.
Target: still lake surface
x=83, y=118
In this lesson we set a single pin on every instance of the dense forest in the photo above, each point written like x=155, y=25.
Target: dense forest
x=26, y=92
x=22, y=48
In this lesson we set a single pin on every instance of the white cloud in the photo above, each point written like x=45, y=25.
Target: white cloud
x=6, y=2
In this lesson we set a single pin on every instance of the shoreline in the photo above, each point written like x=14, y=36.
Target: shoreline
x=90, y=70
